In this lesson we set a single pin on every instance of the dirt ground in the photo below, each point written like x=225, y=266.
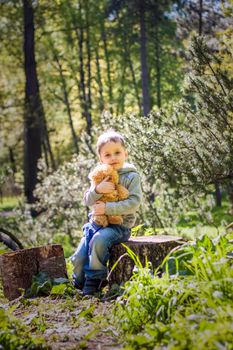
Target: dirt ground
x=73, y=323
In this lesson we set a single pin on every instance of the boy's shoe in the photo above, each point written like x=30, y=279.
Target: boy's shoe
x=77, y=285
x=93, y=286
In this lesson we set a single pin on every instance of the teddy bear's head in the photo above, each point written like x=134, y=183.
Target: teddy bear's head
x=101, y=172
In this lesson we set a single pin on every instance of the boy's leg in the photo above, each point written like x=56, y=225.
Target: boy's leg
x=100, y=245
x=80, y=258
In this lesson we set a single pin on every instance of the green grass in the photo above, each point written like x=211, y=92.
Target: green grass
x=9, y=203
x=217, y=216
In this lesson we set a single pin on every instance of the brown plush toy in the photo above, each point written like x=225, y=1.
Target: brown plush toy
x=120, y=193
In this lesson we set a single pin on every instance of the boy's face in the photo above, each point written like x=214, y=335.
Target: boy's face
x=114, y=154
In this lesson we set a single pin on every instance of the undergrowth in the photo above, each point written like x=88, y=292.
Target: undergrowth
x=189, y=307
x=14, y=335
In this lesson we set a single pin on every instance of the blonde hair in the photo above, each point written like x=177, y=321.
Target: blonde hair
x=109, y=136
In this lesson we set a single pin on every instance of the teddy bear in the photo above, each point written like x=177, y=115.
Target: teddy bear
x=96, y=176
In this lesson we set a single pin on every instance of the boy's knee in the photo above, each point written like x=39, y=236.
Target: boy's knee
x=98, y=243
x=77, y=259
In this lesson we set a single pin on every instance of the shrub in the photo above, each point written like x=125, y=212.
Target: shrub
x=60, y=203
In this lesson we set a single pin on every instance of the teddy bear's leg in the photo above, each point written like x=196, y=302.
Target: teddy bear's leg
x=115, y=219
x=100, y=220
x=123, y=193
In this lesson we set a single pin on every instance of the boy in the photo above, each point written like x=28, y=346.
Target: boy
x=90, y=259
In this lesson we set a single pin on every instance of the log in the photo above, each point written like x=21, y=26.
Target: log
x=152, y=248
x=18, y=268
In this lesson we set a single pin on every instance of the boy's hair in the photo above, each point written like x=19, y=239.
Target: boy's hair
x=109, y=136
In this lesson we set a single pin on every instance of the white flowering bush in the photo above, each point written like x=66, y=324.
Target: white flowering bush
x=60, y=202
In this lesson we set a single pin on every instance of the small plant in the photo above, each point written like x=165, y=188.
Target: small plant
x=43, y=285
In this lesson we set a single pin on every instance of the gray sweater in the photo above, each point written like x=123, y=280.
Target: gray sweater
x=128, y=177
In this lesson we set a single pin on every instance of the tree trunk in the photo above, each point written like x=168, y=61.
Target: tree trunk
x=128, y=59
x=12, y=161
x=18, y=268
x=143, y=53
x=218, y=194
x=46, y=142
x=157, y=58
x=44, y=148
x=151, y=248
x=134, y=83
x=88, y=48
x=106, y=54
x=33, y=107
x=80, y=38
x=121, y=98
x=66, y=101
x=200, y=17
x=99, y=80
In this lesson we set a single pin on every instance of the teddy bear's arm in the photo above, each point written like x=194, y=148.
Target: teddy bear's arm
x=123, y=193
x=130, y=204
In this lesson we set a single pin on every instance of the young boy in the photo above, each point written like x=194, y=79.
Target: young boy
x=90, y=259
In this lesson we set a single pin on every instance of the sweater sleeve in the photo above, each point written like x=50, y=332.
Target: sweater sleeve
x=91, y=196
x=129, y=205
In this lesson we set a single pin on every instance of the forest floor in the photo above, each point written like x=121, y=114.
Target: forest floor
x=73, y=323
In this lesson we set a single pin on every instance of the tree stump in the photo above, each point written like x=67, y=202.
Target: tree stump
x=154, y=248
x=18, y=268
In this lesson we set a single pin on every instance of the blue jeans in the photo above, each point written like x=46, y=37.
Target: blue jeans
x=90, y=259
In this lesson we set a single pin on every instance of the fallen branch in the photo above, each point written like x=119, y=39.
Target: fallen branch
x=11, y=241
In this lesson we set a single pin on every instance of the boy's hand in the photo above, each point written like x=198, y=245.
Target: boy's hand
x=105, y=186
x=98, y=208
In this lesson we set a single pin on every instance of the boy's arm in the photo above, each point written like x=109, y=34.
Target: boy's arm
x=129, y=205
x=91, y=196
x=96, y=192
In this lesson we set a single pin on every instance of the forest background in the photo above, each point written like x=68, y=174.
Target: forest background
x=160, y=72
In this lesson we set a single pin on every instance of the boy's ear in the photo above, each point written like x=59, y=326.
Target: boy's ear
x=126, y=154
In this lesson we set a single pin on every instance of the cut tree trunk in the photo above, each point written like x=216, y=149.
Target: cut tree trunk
x=18, y=268
x=152, y=248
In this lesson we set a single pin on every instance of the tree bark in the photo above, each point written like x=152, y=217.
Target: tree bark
x=151, y=248
x=99, y=80
x=12, y=161
x=157, y=58
x=127, y=57
x=143, y=54
x=88, y=48
x=66, y=101
x=218, y=194
x=80, y=38
x=46, y=142
x=121, y=97
x=200, y=17
x=18, y=268
x=33, y=107
x=107, y=59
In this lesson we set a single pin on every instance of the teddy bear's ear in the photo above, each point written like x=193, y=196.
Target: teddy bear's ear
x=97, y=174
x=106, y=168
